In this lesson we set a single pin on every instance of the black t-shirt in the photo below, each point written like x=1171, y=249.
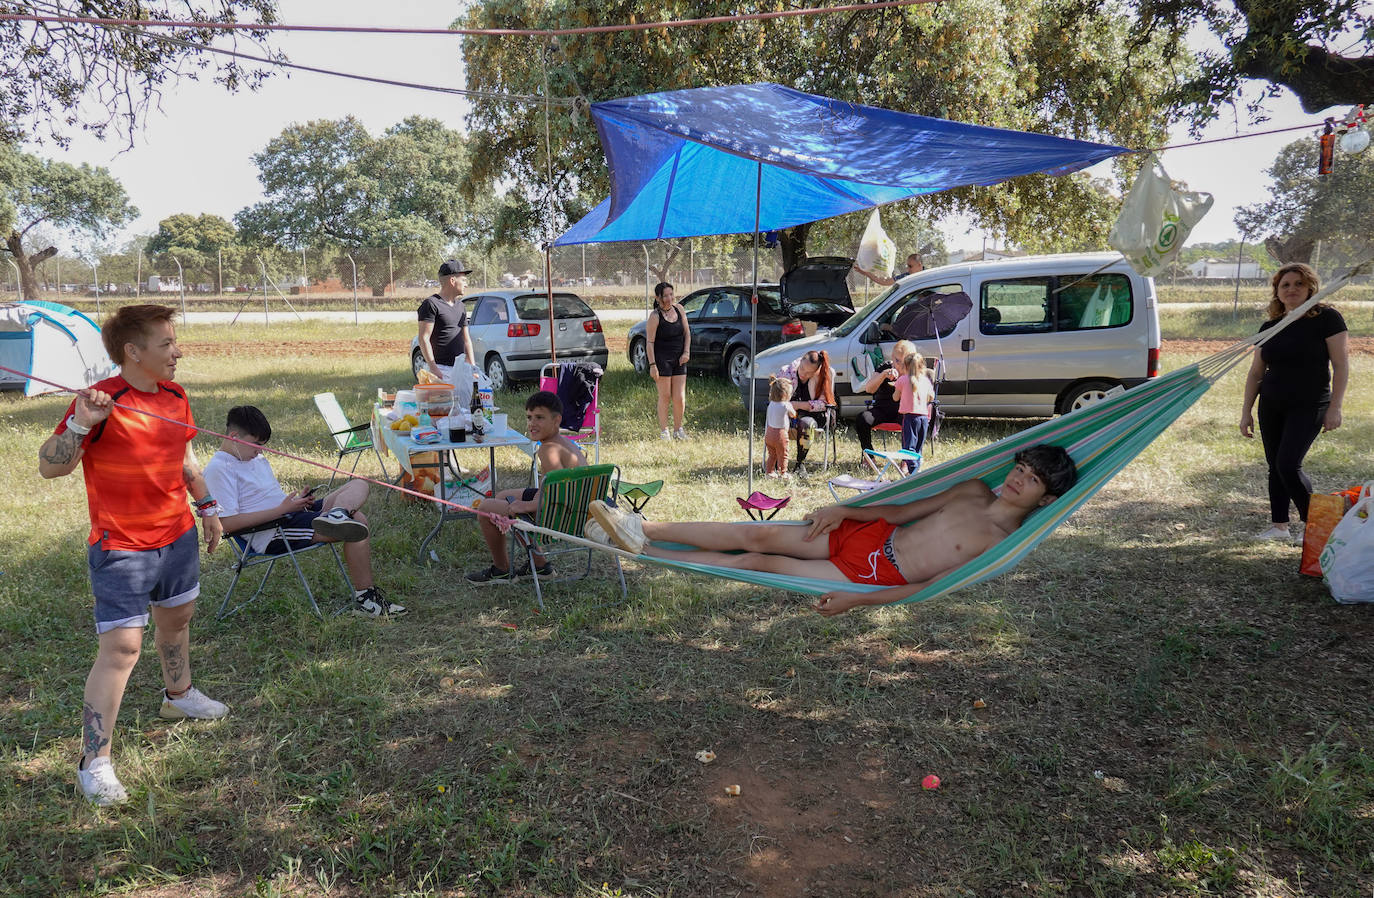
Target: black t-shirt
x=1297, y=363
x=885, y=397
x=449, y=323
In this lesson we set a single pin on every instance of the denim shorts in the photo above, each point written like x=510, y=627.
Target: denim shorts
x=126, y=582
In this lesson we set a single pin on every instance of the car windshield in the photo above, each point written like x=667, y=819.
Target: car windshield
x=849, y=324
x=565, y=305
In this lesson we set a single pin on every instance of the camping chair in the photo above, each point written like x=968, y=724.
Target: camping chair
x=893, y=461
x=350, y=439
x=559, y=378
x=638, y=494
x=761, y=506
x=563, y=499
x=245, y=557
x=826, y=435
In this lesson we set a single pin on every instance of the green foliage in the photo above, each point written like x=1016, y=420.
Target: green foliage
x=1052, y=66
x=57, y=195
x=64, y=76
x=198, y=242
x=331, y=184
x=1305, y=207
x=1298, y=44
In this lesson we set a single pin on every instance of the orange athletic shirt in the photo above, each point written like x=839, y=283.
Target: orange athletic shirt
x=133, y=467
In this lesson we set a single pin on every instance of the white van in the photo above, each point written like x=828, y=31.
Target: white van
x=1042, y=334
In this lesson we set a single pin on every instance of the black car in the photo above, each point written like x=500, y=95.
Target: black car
x=813, y=294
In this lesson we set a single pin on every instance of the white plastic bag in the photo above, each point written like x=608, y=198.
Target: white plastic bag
x=1348, y=559
x=1155, y=219
x=877, y=253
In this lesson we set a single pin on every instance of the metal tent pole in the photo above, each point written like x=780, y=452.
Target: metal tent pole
x=754, y=319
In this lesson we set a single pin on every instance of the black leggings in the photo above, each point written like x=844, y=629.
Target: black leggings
x=1288, y=430
x=864, y=424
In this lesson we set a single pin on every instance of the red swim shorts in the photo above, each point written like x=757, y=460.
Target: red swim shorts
x=856, y=548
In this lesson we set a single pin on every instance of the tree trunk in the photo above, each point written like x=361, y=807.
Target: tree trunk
x=661, y=270
x=1293, y=249
x=28, y=284
x=793, y=243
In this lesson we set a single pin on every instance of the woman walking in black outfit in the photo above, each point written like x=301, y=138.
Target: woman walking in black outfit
x=669, y=347
x=1300, y=378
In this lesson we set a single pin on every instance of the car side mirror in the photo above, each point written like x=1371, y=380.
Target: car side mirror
x=871, y=335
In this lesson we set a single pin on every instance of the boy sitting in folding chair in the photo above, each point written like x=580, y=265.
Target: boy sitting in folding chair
x=249, y=494
x=543, y=417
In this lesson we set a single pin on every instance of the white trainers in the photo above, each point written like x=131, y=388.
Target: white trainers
x=194, y=705
x=595, y=532
x=99, y=783
x=1275, y=533
x=666, y=435
x=680, y=434
x=338, y=525
x=626, y=530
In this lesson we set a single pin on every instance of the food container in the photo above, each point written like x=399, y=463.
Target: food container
x=405, y=401
x=436, y=400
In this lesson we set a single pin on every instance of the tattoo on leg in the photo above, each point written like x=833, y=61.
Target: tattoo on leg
x=93, y=737
x=173, y=661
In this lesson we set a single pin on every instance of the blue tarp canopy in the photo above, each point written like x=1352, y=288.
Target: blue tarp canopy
x=687, y=163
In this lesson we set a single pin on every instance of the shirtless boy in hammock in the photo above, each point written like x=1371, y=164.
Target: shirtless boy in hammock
x=864, y=544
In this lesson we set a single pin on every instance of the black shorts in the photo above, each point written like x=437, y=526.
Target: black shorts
x=669, y=368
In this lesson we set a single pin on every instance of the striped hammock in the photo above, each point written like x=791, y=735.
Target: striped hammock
x=1102, y=438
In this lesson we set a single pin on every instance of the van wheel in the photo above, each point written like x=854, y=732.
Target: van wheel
x=737, y=366
x=1087, y=393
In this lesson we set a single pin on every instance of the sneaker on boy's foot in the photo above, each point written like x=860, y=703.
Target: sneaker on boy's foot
x=596, y=533
x=99, y=783
x=666, y=435
x=488, y=575
x=373, y=604
x=192, y=704
x=337, y=524
x=625, y=529
x=544, y=570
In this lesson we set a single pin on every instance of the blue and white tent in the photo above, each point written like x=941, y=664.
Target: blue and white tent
x=49, y=341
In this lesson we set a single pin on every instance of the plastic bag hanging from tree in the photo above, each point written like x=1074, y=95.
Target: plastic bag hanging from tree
x=877, y=252
x=1155, y=219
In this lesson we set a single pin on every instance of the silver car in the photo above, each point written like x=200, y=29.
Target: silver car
x=510, y=334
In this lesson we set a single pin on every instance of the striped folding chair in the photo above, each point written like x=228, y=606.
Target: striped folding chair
x=563, y=499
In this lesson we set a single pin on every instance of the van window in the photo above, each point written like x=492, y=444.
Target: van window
x=888, y=323
x=1096, y=301
x=1015, y=306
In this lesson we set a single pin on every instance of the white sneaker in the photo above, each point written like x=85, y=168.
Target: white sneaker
x=595, y=532
x=337, y=524
x=666, y=435
x=194, y=705
x=625, y=530
x=680, y=434
x=1275, y=533
x=99, y=783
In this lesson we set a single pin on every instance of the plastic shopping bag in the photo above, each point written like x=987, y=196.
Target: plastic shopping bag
x=1348, y=559
x=1155, y=219
x=877, y=252
x=1324, y=512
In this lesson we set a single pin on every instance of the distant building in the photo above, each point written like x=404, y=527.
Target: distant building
x=159, y=284
x=1218, y=268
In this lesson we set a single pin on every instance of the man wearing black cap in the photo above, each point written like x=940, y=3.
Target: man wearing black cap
x=444, y=322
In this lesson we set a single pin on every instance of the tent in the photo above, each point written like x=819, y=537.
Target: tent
x=52, y=342
x=758, y=157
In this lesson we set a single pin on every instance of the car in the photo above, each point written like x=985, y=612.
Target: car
x=812, y=296
x=1025, y=337
x=510, y=334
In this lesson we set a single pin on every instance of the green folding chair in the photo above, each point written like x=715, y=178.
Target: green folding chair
x=638, y=494
x=563, y=499
x=349, y=439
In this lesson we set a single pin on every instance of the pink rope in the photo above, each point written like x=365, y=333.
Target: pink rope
x=501, y=521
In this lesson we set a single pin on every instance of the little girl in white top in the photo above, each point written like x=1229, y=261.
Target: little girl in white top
x=780, y=410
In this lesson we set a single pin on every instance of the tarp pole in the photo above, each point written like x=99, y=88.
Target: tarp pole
x=754, y=319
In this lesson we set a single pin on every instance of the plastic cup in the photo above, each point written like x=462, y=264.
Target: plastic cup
x=498, y=424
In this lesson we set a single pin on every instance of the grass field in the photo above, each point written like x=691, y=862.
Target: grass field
x=1150, y=705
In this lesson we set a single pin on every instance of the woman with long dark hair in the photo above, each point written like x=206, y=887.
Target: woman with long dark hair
x=669, y=347
x=813, y=392
x=1299, y=377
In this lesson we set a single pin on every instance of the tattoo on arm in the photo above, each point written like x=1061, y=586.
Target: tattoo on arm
x=62, y=450
x=173, y=661
x=93, y=737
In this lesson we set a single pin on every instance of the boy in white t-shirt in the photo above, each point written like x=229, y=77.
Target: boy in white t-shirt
x=249, y=494
x=780, y=413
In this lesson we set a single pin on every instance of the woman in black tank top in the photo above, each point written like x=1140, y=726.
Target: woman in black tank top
x=669, y=346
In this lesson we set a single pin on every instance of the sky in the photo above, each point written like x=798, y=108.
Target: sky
x=195, y=153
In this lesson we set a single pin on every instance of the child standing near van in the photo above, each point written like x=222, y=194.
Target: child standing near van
x=915, y=392
x=780, y=413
